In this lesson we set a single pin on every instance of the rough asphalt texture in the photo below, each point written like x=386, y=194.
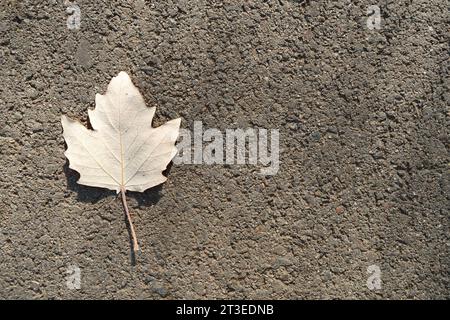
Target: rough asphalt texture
x=364, y=136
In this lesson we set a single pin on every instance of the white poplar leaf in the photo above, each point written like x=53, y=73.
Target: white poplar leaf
x=123, y=151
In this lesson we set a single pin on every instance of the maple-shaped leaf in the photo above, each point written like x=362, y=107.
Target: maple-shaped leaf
x=123, y=151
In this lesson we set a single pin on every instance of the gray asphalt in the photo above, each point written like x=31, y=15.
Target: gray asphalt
x=363, y=117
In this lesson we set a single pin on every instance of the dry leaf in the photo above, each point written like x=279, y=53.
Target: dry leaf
x=123, y=152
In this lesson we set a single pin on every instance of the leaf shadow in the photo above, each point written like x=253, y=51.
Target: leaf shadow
x=85, y=194
x=150, y=197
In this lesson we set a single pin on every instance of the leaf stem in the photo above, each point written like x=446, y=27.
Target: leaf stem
x=133, y=234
